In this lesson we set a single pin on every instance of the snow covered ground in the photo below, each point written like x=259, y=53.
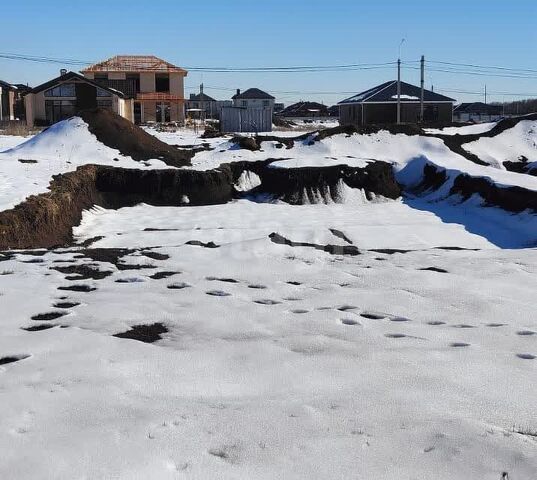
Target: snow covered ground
x=464, y=130
x=510, y=145
x=279, y=361
x=399, y=341
x=27, y=168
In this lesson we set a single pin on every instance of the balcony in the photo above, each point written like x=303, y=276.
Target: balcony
x=159, y=97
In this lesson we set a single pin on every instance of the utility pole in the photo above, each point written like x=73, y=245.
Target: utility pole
x=422, y=64
x=399, y=83
x=398, y=91
x=485, y=93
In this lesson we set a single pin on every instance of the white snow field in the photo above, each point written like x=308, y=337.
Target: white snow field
x=464, y=130
x=397, y=339
x=510, y=145
x=279, y=361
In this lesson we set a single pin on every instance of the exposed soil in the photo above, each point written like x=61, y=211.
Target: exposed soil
x=49, y=316
x=144, y=333
x=332, y=249
x=117, y=132
x=161, y=275
x=83, y=272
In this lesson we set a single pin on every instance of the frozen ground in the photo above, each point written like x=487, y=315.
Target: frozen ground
x=394, y=340
x=465, y=130
x=279, y=361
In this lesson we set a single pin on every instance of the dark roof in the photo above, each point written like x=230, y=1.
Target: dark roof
x=74, y=76
x=304, y=108
x=478, y=108
x=201, y=97
x=387, y=92
x=7, y=85
x=252, y=93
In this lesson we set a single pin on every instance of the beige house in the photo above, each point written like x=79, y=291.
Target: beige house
x=68, y=94
x=155, y=86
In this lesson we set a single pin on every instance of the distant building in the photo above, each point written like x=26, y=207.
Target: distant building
x=378, y=105
x=253, y=98
x=333, y=111
x=278, y=107
x=201, y=105
x=156, y=86
x=477, y=112
x=8, y=95
x=305, y=109
x=70, y=93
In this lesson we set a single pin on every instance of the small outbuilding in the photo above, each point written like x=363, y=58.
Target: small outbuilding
x=378, y=105
x=304, y=110
x=477, y=112
x=68, y=94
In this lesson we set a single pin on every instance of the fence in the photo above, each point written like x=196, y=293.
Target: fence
x=238, y=119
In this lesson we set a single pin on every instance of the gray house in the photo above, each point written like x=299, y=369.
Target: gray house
x=7, y=101
x=253, y=98
x=378, y=105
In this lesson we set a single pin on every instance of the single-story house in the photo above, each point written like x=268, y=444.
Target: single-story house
x=7, y=101
x=305, y=109
x=477, y=112
x=68, y=94
x=253, y=98
x=378, y=105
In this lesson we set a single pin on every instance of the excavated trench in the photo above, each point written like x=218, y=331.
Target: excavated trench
x=46, y=220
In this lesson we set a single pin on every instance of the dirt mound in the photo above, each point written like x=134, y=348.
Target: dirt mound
x=117, y=132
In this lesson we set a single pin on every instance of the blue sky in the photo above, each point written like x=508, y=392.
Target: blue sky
x=245, y=33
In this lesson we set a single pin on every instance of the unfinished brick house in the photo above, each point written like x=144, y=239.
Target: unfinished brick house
x=156, y=86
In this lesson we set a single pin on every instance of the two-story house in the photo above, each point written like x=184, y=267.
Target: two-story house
x=253, y=98
x=156, y=86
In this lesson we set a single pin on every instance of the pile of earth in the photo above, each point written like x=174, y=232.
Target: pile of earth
x=118, y=133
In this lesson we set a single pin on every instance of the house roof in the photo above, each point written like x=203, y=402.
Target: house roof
x=201, y=97
x=7, y=85
x=74, y=76
x=387, y=92
x=253, y=93
x=134, y=63
x=477, y=108
x=303, y=108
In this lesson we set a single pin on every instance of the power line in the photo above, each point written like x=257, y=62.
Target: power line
x=483, y=66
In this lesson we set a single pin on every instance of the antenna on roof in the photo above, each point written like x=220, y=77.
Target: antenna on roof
x=399, y=83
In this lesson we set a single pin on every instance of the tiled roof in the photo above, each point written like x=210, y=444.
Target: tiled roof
x=133, y=63
x=387, y=92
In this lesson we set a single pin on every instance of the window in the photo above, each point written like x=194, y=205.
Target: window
x=57, y=110
x=266, y=103
x=162, y=82
x=103, y=93
x=134, y=78
x=104, y=104
x=63, y=90
x=244, y=103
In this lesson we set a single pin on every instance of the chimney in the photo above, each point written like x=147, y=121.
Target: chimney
x=238, y=91
x=192, y=95
x=63, y=72
x=201, y=89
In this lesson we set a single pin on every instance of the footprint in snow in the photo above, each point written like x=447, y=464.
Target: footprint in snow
x=48, y=316
x=78, y=288
x=12, y=358
x=257, y=286
x=372, y=316
x=399, y=319
x=525, y=356
x=463, y=325
x=299, y=310
x=459, y=344
x=217, y=279
x=349, y=321
x=436, y=323
x=395, y=335
x=496, y=325
x=66, y=304
x=38, y=328
x=218, y=293
x=178, y=286
x=345, y=308
x=267, y=301
x=525, y=333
